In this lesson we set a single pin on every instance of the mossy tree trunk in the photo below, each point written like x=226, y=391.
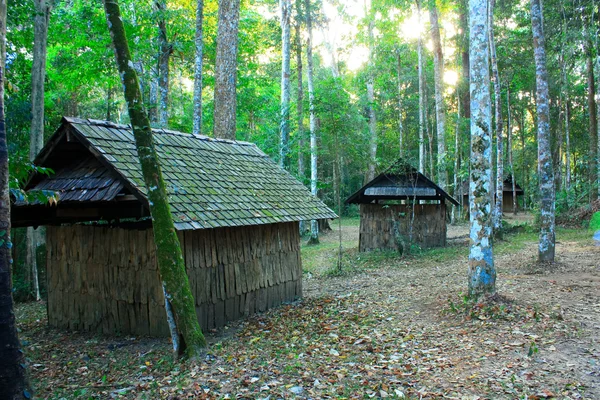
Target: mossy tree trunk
x=482, y=273
x=168, y=250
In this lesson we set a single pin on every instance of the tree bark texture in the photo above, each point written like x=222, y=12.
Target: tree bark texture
x=499, y=123
x=284, y=114
x=164, y=55
x=440, y=112
x=510, y=152
x=299, y=101
x=482, y=273
x=198, y=66
x=545, y=167
x=168, y=250
x=593, y=122
x=13, y=382
x=314, y=225
x=226, y=70
x=421, y=95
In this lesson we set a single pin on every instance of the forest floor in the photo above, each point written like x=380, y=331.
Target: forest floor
x=386, y=326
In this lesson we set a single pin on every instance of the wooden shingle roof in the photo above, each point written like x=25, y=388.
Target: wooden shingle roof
x=210, y=182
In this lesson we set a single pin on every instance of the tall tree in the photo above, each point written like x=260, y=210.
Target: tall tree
x=13, y=384
x=314, y=225
x=38, y=75
x=371, y=96
x=499, y=123
x=421, y=73
x=284, y=114
x=510, y=151
x=482, y=273
x=198, y=65
x=171, y=266
x=400, y=106
x=592, y=121
x=300, y=99
x=440, y=112
x=545, y=167
x=226, y=70
x=164, y=55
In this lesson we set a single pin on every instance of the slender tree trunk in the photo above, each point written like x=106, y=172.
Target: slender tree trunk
x=510, y=151
x=198, y=66
x=400, y=107
x=429, y=134
x=284, y=123
x=38, y=74
x=166, y=49
x=314, y=226
x=482, y=273
x=593, y=123
x=440, y=111
x=13, y=379
x=523, y=174
x=499, y=123
x=226, y=70
x=421, y=95
x=299, y=101
x=545, y=167
x=168, y=250
x=371, y=99
x=456, y=159
x=464, y=45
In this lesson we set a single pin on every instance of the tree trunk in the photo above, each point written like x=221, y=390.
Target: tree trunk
x=400, y=107
x=38, y=74
x=284, y=123
x=166, y=49
x=456, y=161
x=464, y=85
x=482, y=273
x=314, y=226
x=421, y=95
x=510, y=152
x=371, y=100
x=13, y=379
x=440, y=112
x=170, y=261
x=545, y=168
x=499, y=123
x=593, y=123
x=198, y=65
x=299, y=101
x=153, y=97
x=226, y=70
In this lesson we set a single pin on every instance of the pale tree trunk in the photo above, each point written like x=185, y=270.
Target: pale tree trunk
x=284, y=122
x=565, y=93
x=400, y=107
x=482, y=273
x=421, y=95
x=428, y=133
x=499, y=123
x=226, y=70
x=371, y=98
x=545, y=167
x=13, y=377
x=440, y=112
x=198, y=66
x=299, y=101
x=314, y=225
x=169, y=257
x=166, y=49
x=38, y=74
x=510, y=151
x=153, y=97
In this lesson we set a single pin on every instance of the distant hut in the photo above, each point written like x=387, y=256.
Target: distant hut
x=507, y=195
x=390, y=205
x=236, y=214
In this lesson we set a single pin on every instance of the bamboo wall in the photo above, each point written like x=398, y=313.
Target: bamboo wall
x=106, y=279
x=377, y=225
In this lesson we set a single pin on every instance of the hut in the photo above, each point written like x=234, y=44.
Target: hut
x=236, y=214
x=399, y=206
x=507, y=195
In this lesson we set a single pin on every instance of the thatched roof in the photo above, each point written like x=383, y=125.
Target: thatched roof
x=400, y=181
x=211, y=182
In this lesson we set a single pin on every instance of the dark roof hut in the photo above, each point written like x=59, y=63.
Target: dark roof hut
x=235, y=210
x=390, y=204
x=507, y=195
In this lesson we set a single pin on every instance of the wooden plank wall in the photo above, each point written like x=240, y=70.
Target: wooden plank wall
x=377, y=225
x=106, y=280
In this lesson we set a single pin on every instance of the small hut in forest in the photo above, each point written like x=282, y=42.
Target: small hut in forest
x=507, y=195
x=236, y=214
x=401, y=206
